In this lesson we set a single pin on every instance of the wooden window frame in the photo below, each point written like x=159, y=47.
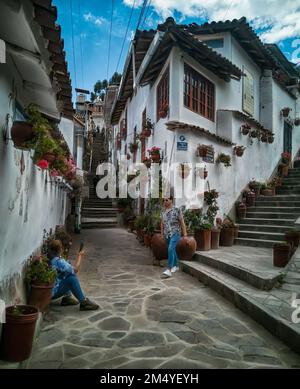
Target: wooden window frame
x=198, y=93
x=163, y=93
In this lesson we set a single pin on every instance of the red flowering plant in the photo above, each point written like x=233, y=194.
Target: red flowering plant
x=154, y=150
x=43, y=164
x=286, y=158
x=39, y=271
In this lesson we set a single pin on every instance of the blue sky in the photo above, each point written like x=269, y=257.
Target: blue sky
x=274, y=23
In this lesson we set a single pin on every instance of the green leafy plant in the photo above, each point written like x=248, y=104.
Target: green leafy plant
x=39, y=271
x=224, y=159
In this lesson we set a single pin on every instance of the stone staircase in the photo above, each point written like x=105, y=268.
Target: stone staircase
x=266, y=222
x=97, y=213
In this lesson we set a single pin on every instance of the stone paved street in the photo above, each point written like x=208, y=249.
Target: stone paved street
x=149, y=322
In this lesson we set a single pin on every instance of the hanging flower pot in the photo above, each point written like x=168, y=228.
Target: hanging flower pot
x=128, y=156
x=183, y=170
x=286, y=111
x=21, y=133
x=271, y=138
x=154, y=153
x=254, y=134
x=297, y=122
x=245, y=128
x=18, y=332
x=239, y=151
x=264, y=138
x=202, y=151
x=163, y=113
x=146, y=133
x=133, y=147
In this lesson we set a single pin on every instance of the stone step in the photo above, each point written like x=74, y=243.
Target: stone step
x=283, y=191
x=242, y=296
x=264, y=228
x=260, y=280
x=258, y=221
x=289, y=186
x=255, y=242
x=291, y=180
x=261, y=204
x=98, y=225
x=286, y=198
x=275, y=209
x=259, y=235
x=270, y=215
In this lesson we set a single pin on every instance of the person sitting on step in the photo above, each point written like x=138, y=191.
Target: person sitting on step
x=67, y=282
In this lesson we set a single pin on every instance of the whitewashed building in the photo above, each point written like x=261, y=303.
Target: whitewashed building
x=32, y=70
x=213, y=78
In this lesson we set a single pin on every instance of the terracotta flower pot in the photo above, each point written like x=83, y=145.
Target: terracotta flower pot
x=267, y=192
x=241, y=211
x=146, y=133
x=22, y=132
x=202, y=151
x=40, y=296
x=147, y=240
x=203, y=239
x=215, y=239
x=285, y=171
x=251, y=199
x=281, y=255
x=159, y=247
x=285, y=112
x=239, y=152
x=227, y=237
x=18, y=333
x=186, y=248
x=293, y=238
x=264, y=139
x=155, y=157
x=271, y=139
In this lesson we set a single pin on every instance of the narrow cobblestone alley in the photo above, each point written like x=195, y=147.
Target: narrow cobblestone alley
x=145, y=321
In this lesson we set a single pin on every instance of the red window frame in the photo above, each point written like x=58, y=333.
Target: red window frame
x=198, y=93
x=163, y=93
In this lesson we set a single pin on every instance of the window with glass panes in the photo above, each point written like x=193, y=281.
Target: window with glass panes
x=199, y=93
x=163, y=93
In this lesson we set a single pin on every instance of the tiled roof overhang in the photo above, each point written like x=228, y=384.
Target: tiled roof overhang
x=142, y=42
x=244, y=34
x=46, y=15
x=204, y=55
x=175, y=125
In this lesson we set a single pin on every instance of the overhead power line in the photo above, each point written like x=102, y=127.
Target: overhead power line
x=125, y=37
x=142, y=13
x=73, y=43
x=80, y=41
x=110, y=31
x=146, y=13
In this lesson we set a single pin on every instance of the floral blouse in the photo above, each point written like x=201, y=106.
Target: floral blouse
x=171, y=222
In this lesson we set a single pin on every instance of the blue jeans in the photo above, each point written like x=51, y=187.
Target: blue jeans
x=172, y=255
x=69, y=285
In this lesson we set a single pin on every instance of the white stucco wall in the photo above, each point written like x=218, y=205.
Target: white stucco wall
x=66, y=127
x=29, y=204
x=259, y=160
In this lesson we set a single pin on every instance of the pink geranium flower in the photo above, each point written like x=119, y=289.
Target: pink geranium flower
x=43, y=164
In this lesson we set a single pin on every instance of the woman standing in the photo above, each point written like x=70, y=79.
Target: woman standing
x=172, y=226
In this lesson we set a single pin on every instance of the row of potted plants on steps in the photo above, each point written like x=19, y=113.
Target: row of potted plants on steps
x=18, y=330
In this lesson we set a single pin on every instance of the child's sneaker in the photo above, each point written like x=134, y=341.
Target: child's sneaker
x=68, y=300
x=88, y=305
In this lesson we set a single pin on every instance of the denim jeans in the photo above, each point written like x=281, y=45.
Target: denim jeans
x=172, y=255
x=69, y=285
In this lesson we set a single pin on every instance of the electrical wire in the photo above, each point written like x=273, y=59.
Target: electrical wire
x=81, y=50
x=228, y=9
x=124, y=40
x=146, y=14
x=73, y=43
x=141, y=13
x=110, y=31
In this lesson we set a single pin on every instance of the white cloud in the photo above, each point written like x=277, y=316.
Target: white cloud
x=278, y=20
x=137, y=3
x=97, y=20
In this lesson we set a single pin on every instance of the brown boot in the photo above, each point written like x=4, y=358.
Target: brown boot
x=88, y=305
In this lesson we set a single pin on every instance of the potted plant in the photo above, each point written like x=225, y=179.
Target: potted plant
x=281, y=254
x=293, y=238
x=286, y=111
x=184, y=170
x=40, y=278
x=210, y=196
x=198, y=224
x=202, y=151
x=285, y=163
x=241, y=210
x=224, y=159
x=227, y=232
x=254, y=133
x=271, y=138
x=245, y=128
x=155, y=153
x=266, y=190
x=146, y=132
x=18, y=332
x=255, y=186
x=239, y=150
x=250, y=197
x=297, y=122
x=264, y=137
